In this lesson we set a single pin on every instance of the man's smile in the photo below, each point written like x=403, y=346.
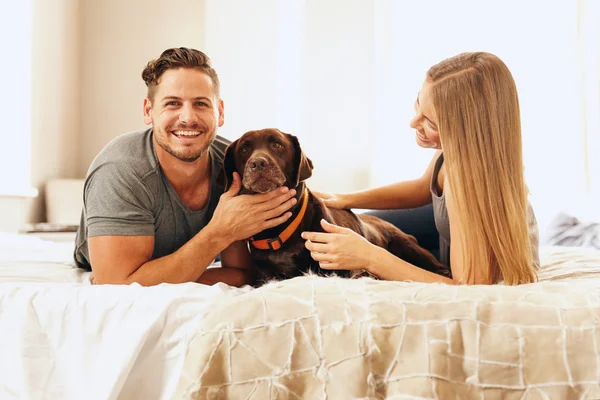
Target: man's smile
x=186, y=134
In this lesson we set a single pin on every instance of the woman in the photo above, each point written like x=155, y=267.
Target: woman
x=468, y=109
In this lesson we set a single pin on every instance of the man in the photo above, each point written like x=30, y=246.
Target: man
x=153, y=211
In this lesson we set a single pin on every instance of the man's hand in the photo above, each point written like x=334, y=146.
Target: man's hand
x=238, y=217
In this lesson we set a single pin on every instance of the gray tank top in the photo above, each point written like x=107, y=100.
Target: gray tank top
x=440, y=213
x=442, y=222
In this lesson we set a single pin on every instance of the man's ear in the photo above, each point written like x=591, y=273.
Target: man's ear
x=303, y=165
x=147, y=111
x=225, y=176
x=221, y=110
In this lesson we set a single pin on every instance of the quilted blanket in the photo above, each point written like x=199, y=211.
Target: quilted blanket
x=329, y=338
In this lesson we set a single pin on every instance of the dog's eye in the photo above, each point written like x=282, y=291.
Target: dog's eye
x=244, y=149
x=277, y=145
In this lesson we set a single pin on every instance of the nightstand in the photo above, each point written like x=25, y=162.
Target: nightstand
x=52, y=232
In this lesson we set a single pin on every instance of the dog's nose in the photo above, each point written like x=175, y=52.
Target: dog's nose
x=257, y=163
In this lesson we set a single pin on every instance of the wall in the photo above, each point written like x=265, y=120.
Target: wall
x=118, y=39
x=55, y=95
x=303, y=66
x=86, y=76
x=88, y=56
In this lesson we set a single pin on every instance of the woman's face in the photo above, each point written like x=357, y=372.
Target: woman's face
x=425, y=121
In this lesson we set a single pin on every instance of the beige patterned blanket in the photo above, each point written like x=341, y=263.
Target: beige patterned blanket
x=328, y=338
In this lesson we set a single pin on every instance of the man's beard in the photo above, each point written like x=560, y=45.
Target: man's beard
x=184, y=155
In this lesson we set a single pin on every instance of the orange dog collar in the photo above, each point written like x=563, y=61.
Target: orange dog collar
x=278, y=241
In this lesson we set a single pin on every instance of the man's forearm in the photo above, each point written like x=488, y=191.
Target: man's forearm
x=186, y=264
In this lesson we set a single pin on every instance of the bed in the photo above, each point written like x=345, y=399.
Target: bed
x=63, y=338
x=305, y=338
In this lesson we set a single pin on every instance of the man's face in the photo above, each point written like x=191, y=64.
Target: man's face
x=185, y=113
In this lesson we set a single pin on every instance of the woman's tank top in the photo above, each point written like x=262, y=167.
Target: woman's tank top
x=442, y=222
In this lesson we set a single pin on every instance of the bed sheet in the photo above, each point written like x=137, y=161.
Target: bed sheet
x=62, y=338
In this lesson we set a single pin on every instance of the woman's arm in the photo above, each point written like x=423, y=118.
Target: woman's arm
x=406, y=194
x=342, y=248
x=388, y=267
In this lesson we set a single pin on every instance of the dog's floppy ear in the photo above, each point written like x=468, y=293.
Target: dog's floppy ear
x=225, y=177
x=302, y=164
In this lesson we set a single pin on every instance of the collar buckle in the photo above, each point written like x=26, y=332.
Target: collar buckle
x=275, y=243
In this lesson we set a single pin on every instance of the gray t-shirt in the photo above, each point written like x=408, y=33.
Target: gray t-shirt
x=126, y=193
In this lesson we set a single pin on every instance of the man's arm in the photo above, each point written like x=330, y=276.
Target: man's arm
x=127, y=259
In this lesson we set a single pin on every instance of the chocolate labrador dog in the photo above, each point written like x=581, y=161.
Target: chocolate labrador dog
x=267, y=159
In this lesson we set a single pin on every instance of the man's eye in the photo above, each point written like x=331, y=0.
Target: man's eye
x=172, y=103
x=201, y=104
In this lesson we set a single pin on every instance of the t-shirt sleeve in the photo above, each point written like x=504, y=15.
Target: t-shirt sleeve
x=117, y=203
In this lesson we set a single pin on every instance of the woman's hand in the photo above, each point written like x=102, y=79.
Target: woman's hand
x=339, y=248
x=332, y=200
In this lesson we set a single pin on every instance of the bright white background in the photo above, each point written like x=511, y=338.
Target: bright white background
x=343, y=76
x=15, y=98
x=340, y=74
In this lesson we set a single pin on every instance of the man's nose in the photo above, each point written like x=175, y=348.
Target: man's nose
x=188, y=114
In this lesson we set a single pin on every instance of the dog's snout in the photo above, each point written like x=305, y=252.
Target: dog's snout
x=258, y=163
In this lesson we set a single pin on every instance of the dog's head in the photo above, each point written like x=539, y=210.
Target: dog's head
x=266, y=159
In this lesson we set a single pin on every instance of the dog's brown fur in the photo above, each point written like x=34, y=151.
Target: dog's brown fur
x=267, y=159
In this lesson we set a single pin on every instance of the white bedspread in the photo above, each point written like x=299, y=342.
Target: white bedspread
x=62, y=338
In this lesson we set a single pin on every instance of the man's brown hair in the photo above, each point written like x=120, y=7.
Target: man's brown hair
x=181, y=57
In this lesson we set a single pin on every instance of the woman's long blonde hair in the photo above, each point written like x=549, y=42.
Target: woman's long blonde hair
x=475, y=99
